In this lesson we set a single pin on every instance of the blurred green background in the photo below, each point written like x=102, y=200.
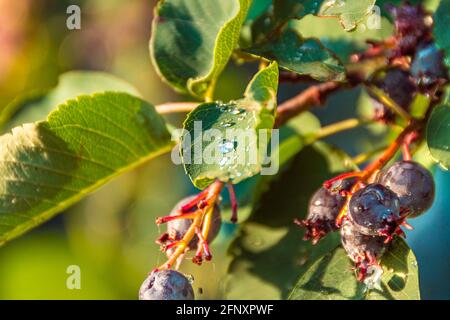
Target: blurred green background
x=111, y=233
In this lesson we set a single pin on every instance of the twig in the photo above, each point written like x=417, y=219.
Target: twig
x=336, y=127
x=173, y=107
x=312, y=96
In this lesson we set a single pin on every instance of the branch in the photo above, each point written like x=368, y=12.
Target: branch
x=312, y=96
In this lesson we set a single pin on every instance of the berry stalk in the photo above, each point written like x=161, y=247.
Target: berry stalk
x=203, y=205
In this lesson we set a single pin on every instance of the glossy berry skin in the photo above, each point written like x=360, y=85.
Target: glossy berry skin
x=324, y=207
x=177, y=228
x=427, y=67
x=375, y=210
x=362, y=249
x=413, y=184
x=166, y=285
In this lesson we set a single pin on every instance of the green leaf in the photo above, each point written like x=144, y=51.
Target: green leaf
x=230, y=133
x=438, y=135
x=257, y=8
x=331, y=277
x=440, y=31
x=192, y=40
x=47, y=166
x=349, y=12
x=35, y=106
x=303, y=56
x=269, y=251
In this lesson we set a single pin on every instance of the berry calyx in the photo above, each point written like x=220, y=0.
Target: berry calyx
x=324, y=207
x=413, y=184
x=200, y=211
x=177, y=228
x=375, y=211
x=166, y=285
x=363, y=250
x=179, y=223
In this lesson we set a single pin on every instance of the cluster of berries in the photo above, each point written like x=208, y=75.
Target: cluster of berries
x=414, y=62
x=374, y=213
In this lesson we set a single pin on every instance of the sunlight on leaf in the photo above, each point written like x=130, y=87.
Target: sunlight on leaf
x=48, y=166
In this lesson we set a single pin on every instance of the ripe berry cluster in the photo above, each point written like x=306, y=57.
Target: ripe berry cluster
x=369, y=206
x=415, y=64
x=373, y=214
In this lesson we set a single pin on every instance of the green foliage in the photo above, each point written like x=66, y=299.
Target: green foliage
x=440, y=31
x=438, y=135
x=47, y=166
x=233, y=156
x=190, y=48
x=331, y=277
x=36, y=106
x=98, y=128
x=349, y=12
x=268, y=253
x=303, y=56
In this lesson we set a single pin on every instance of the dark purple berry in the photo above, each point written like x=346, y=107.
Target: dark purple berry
x=375, y=210
x=362, y=249
x=413, y=184
x=166, y=285
x=177, y=228
x=412, y=24
x=323, y=210
x=396, y=84
x=427, y=67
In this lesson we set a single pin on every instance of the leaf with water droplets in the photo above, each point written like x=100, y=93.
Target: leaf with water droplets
x=331, y=277
x=438, y=135
x=349, y=12
x=223, y=140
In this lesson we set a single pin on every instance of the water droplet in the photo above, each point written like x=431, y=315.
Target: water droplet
x=227, y=123
x=190, y=278
x=237, y=111
x=226, y=146
x=14, y=200
x=223, y=161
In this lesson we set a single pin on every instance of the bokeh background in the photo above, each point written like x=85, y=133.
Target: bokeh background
x=111, y=233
